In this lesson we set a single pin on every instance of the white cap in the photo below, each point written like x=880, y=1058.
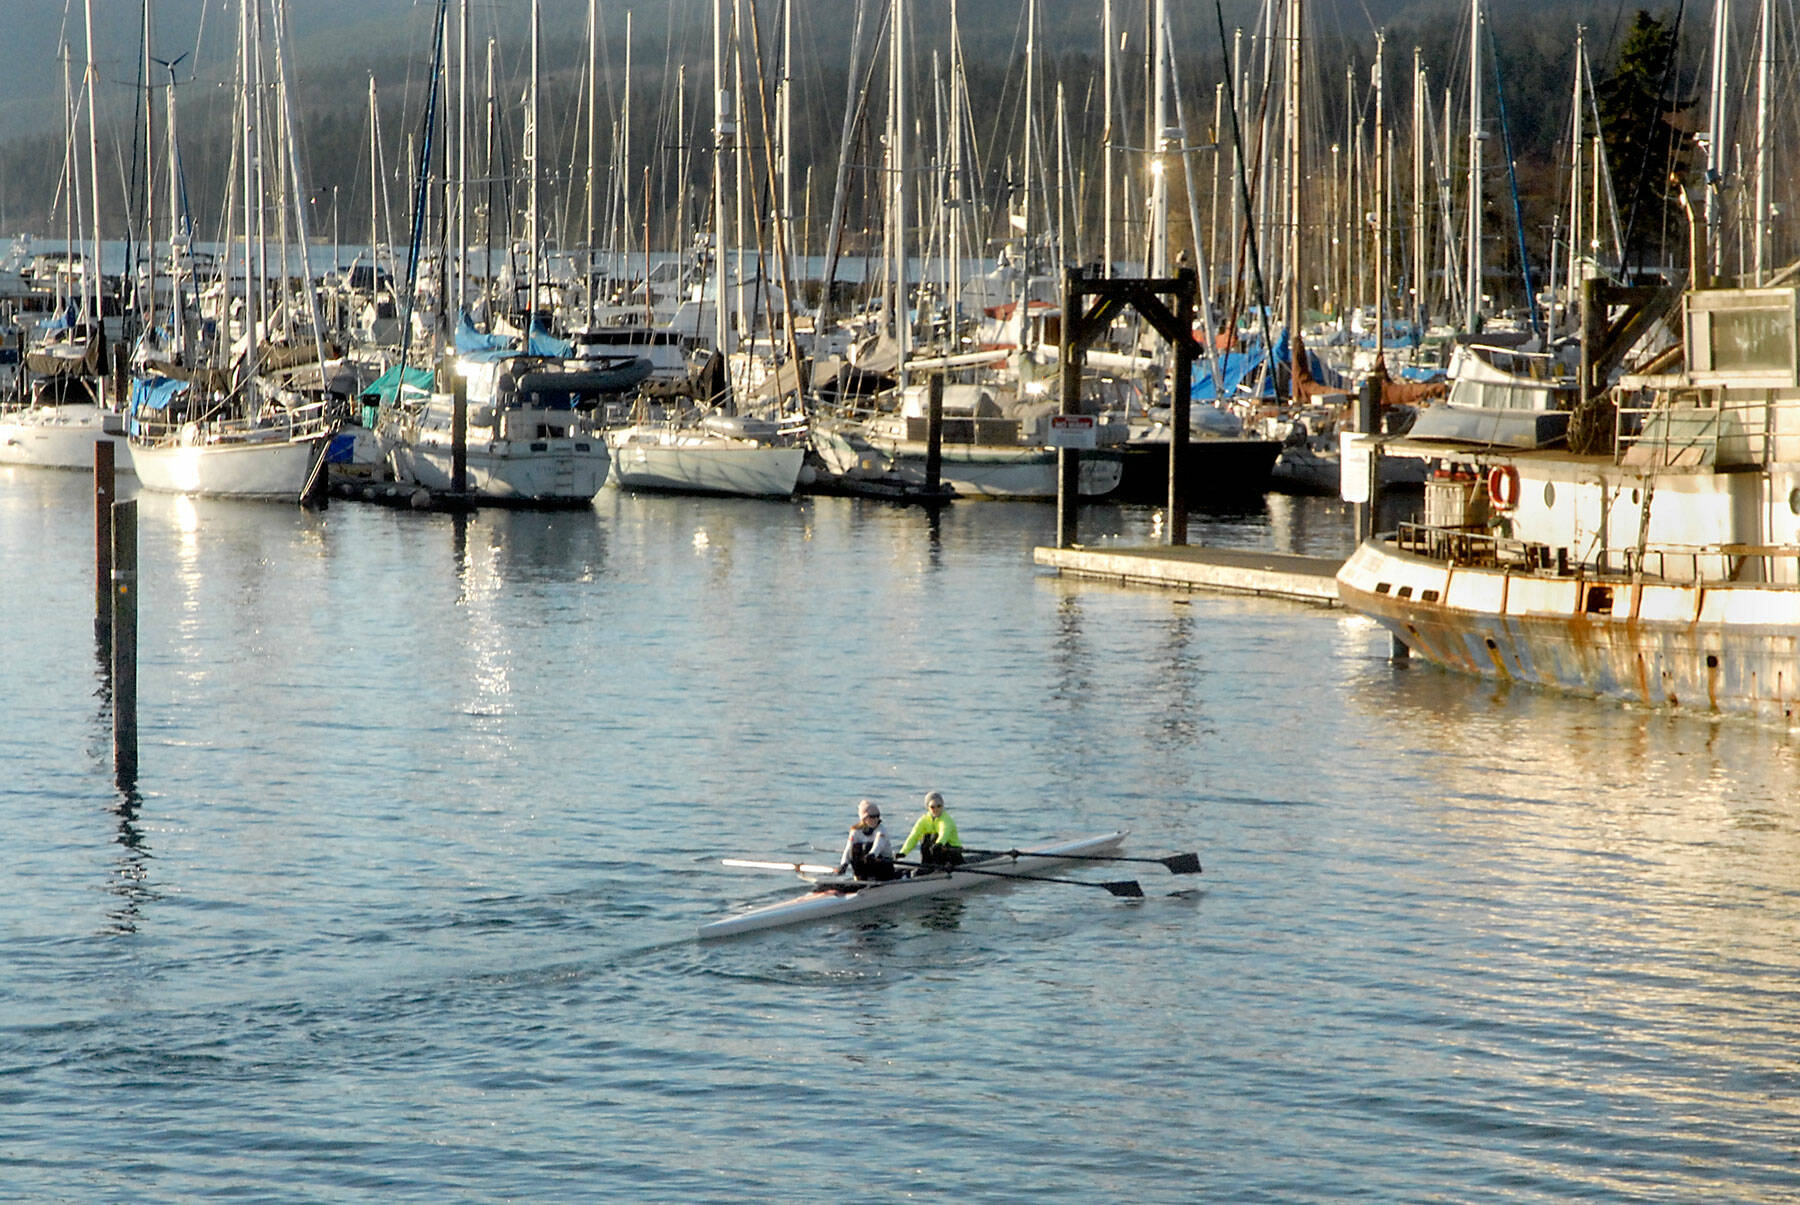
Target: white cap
x=867, y=808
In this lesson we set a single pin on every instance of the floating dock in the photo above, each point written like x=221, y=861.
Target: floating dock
x=1311, y=579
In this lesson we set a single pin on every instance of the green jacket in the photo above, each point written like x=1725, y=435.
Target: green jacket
x=939, y=826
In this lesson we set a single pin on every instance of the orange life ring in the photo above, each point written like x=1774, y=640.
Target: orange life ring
x=1503, y=487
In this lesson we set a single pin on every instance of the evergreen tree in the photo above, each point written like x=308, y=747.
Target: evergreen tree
x=1650, y=156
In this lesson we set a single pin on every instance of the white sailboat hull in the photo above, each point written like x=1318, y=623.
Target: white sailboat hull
x=824, y=903
x=541, y=471
x=983, y=471
x=701, y=464
x=62, y=437
x=270, y=468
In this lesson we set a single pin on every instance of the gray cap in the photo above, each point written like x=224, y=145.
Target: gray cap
x=932, y=797
x=867, y=808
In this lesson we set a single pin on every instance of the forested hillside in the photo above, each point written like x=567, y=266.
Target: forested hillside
x=339, y=46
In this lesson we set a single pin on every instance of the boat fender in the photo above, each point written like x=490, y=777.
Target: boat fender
x=1503, y=487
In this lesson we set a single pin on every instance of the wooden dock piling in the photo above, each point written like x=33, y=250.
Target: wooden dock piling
x=934, y=434
x=105, y=490
x=459, y=434
x=124, y=643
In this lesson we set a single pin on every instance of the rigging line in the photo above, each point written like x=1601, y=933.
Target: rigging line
x=1237, y=142
x=1512, y=175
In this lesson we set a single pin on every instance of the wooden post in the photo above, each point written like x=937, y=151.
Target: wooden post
x=124, y=643
x=1181, y=408
x=934, y=434
x=121, y=375
x=105, y=489
x=459, y=433
x=1068, y=460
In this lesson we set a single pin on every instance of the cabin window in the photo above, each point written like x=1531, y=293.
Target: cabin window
x=1383, y=588
x=1599, y=600
x=1749, y=340
x=583, y=448
x=540, y=446
x=1405, y=592
x=1428, y=596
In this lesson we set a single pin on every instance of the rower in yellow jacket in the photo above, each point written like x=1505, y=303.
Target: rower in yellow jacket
x=934, y=835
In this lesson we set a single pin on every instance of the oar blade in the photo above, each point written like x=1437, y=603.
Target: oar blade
x=1125, y=888
x=1182, y=863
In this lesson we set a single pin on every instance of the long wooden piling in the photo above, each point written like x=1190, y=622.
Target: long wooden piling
x=124, y=643
x=934, y=434
x=105, y=489
x=459, y=434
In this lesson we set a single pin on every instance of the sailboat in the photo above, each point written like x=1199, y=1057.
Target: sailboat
x=258, y=427
x=55, y=420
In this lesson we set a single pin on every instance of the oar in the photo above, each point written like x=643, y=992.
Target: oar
x=1126, y=888
x=796, y=867
x=1177, y=863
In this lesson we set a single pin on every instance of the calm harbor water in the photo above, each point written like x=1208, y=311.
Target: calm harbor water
x=430, y=810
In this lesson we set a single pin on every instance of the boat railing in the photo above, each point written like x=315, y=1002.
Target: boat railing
x=1479, y=547
x=1463, y=545
x=274, y=424
x=1708, y=427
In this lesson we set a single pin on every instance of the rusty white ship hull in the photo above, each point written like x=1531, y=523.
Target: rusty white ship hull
x=1659, y=563
x=1712, y=646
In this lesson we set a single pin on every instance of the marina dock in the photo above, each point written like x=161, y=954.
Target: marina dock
x=1311, y=579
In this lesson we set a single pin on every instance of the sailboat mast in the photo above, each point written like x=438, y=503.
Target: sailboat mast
x=1759, y=225
x=1106, y=137
x=252, y=303
x=722, y=132
x=1022, y=309
x=593, y=89
x=1577, y=161
x=1419, y=121
x=462, y=158
x=93, y=73
x=1381, y=199
x=901, y=212
x=1159, y=120
x=1715, y=132
x=147, y=318
x=1472, y=281
x=532, y=151
x=1295, y=176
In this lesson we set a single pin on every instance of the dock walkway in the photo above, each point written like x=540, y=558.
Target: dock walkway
x=1310, y=579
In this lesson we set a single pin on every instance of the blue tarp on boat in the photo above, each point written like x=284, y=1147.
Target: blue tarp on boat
x=542, y=342
x=152, y=395
x=1239, y=372
x=155, y=393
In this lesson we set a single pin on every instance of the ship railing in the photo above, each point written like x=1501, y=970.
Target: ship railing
x=274, y=424
x=1703, y=563
x=1707, y=427
x=1461, y=545
x=1479, y=547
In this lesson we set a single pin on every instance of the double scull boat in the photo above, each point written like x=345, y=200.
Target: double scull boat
x=834, y=897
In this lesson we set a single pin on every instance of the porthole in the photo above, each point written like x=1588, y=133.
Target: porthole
x=1549, y=494
x=1634, y=498
x=1794, y=500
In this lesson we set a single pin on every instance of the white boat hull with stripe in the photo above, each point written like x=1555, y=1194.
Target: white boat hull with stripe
x=825, y=901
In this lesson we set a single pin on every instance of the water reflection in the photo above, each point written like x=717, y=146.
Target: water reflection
x=129, y=877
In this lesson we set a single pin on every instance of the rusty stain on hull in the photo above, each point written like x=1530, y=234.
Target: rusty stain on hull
x=1654, y=663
